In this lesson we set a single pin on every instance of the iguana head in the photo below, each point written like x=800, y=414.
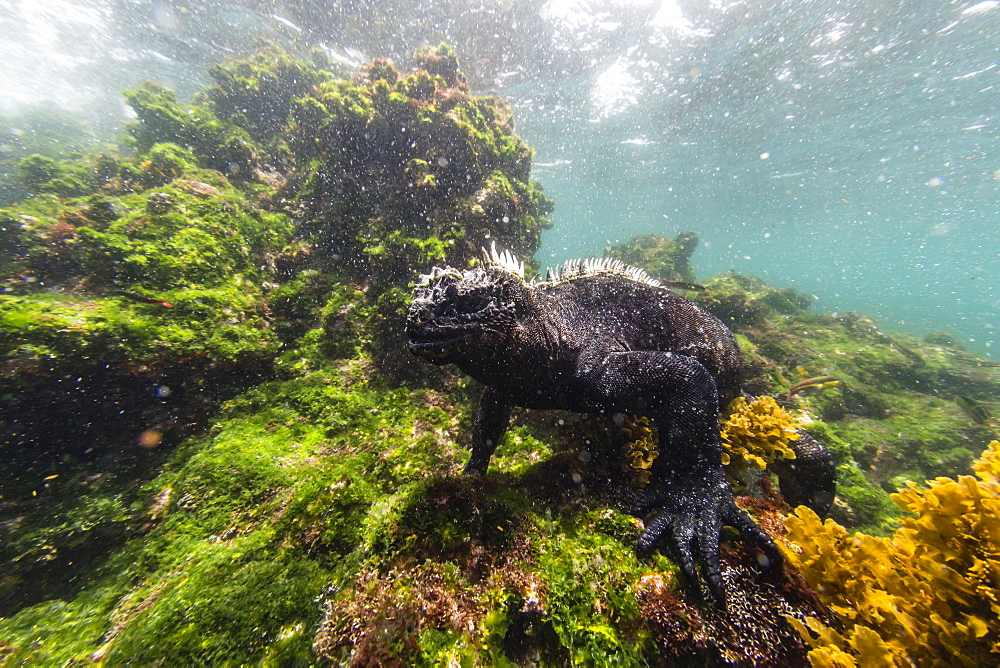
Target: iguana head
x=455, y=314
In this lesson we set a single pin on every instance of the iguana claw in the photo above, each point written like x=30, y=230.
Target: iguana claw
x=691, y=514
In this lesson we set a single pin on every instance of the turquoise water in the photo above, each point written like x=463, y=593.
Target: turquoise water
x=847, y=149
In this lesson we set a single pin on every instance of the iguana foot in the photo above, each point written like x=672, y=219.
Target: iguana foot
x=476, y=467
x=692, y=513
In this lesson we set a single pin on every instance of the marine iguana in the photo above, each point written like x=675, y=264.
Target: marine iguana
x=598, y=336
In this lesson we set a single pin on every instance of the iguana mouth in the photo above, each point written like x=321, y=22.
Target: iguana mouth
x=431, y=345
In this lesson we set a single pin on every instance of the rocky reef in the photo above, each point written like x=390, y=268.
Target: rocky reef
x=217, y=451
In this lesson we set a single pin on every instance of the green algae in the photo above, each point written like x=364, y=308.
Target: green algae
x=253, y=516
x=286, y=492
x=65, y=178
x=662, y=258
x=219, y=144
x=256, y=93
x=591, y=605
x=41, y=129
x=398, y=171
x=165, y=162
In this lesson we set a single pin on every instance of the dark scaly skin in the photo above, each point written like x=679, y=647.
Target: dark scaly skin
x=811, y=478
x=602, y=343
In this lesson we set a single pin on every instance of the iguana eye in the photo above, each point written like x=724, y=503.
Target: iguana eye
x=472, y=303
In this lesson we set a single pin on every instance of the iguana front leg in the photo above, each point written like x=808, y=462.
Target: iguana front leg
x=492, y=418
x=688, y=495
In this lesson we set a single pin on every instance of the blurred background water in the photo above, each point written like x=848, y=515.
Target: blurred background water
x=848, y=149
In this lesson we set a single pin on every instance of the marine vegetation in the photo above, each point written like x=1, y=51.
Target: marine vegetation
x=641, y=448
x=40, y=129
x=395, y=171
x=929, y=595
x=259, y=473
x=666, y=259
x=757, y=433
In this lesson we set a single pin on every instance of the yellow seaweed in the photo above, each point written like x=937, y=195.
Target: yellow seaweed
x=930, y=595
x=757, y=433
x=640, y=450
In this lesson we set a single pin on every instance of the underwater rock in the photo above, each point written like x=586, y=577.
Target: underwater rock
x=66, y=178
x=396, y=171
x=219, y=144
x=663, y=258
x=256, y=93
x=91, y=371
x=746, y=302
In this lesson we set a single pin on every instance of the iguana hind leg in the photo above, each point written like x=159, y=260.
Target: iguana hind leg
x=688, y=496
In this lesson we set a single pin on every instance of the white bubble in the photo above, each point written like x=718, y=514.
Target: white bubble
x=163, y=391
x=765, y=155
x=934, y=182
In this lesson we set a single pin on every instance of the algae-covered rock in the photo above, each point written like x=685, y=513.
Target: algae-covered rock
x=219, y=144
x=41, y=130
x=124, y=321
x=130, y=306
x=396, y=171
x=65, y=178
x=256, y=93
x=661, y=258
x=745, y=302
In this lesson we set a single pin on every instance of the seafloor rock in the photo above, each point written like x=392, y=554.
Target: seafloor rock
x=396, y=171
